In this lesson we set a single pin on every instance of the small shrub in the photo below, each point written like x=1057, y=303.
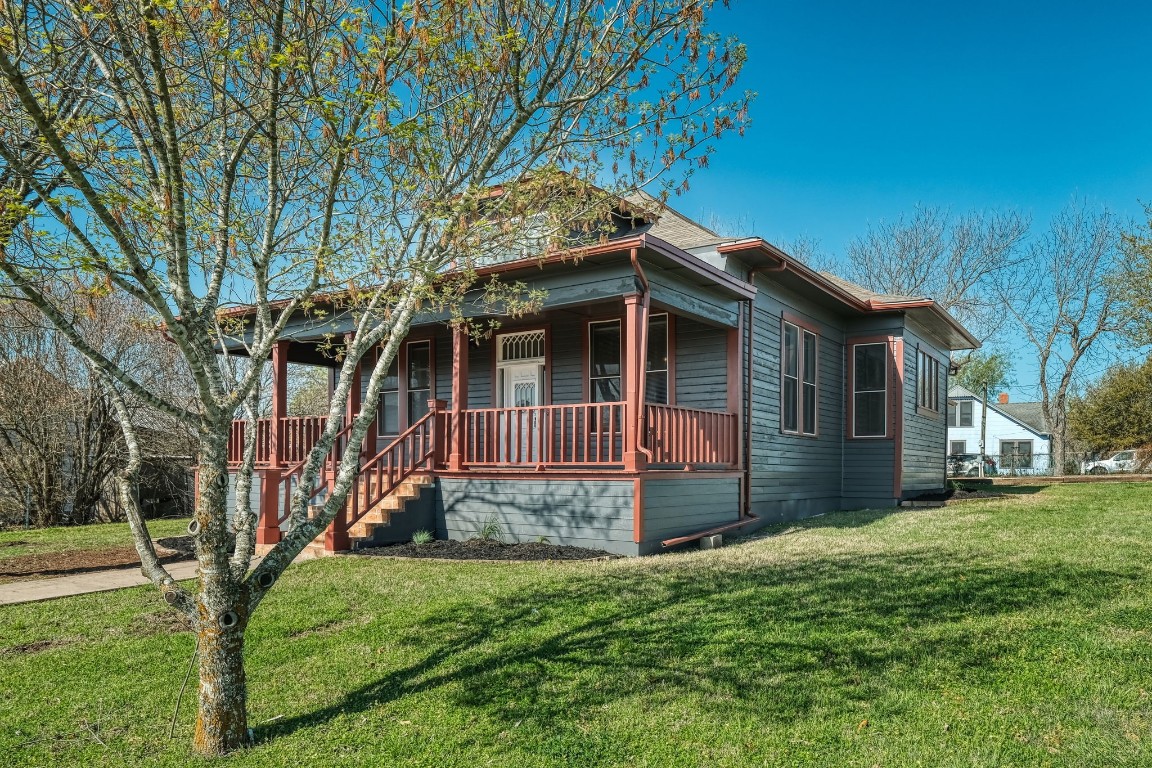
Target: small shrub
x=491, y=530
x=422, y=537
x=542, y=540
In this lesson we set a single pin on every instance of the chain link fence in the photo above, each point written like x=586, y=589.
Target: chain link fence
x=1027, y=464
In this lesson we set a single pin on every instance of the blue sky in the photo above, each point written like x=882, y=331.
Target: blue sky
x=866, y=110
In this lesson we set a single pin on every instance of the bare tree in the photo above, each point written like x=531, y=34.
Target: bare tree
x=265, y=153
x=1066, y=299
x=60, y=440
x=954, y=261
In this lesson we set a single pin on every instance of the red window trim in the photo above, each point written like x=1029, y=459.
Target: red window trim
x=892, y=394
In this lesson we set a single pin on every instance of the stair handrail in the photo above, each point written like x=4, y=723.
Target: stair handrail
x=388, y=474
x=324, y=480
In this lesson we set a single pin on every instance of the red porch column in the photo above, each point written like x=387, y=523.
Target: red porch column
x=268, y=532
x=279, y=402
x=459, y=397
x=735, y=388
x=635, y=354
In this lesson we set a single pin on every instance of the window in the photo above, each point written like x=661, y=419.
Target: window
x=388, y=418
x=1015, y=454
x=957, y=447
x=928, y=382
x=656, y=377
x=604, y=361
x=414, y=389
x=870, y=390
x=798, y=381
x=960, y=414
x=419, y=380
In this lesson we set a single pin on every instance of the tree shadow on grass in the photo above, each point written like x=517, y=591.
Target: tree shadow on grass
x=773, y=640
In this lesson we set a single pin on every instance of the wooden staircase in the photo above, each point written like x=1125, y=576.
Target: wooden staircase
x=379, y=516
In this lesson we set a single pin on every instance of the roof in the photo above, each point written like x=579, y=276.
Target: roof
x=1031, y=414
x=671, y=226
x=866, y=295
x=1028, y=415
x=760, y=254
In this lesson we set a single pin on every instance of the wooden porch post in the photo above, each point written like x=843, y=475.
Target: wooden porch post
x=268, y=531
x=336, y=536
x=635, y=318
x=459, y=397
x=279, y=402
x=735, y=401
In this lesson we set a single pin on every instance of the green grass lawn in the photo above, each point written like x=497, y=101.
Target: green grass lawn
x=995, y=633
x=97, y=536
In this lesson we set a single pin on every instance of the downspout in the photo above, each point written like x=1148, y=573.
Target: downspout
x=752, y=272
x=642, y=355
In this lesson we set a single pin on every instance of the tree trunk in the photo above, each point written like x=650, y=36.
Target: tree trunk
x=222, y=612
x=222, y=720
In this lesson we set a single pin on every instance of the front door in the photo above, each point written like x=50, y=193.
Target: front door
x=520, y=430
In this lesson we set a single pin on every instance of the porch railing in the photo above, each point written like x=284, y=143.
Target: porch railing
x=297, y=436
x=678, y=435
x=577, y=434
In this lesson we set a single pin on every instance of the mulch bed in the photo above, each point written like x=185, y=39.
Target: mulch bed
x=481, y=549
x=49, y=564
x=961, y=494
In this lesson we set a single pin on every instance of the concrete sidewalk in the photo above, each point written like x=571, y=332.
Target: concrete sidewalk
x=83, y=583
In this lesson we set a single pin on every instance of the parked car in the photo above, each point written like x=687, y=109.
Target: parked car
x=968, y=465
x=1121, y=461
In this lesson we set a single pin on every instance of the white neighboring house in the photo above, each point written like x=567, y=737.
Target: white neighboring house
x=1016, y=437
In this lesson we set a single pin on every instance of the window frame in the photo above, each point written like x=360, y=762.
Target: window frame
x=803, y=329
x=586, y=356
x=928, y=387
x=402, y=391
x=1014, y=467
x=667, y=370
x=890, y=394
x=589, y=375
x=959, y=415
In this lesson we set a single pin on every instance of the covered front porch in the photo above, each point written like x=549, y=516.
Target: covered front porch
x=621, y=389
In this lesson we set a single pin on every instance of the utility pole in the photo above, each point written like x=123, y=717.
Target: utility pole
x=983, y=427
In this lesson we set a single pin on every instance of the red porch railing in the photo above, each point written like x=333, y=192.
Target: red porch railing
x=413, y=450
x=678, y=435
x=297, y=436
x=578, y=434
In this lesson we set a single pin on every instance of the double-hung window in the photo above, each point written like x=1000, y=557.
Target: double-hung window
x=960, y=414
x=798, y=393
x=928, y=382
x=1016, y=454
x=870, y=390
x=604, y=361
x=413, y=389
x=656, y=376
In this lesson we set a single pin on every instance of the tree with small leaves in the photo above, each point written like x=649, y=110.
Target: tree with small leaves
x=294, y=154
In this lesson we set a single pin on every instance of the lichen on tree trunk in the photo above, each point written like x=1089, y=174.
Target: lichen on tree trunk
x=222, y=721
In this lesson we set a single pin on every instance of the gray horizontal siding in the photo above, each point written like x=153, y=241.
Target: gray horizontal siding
x=678, y=507
x=925, y=436
x=795, y=476
x=589, y=513
x=701, y=361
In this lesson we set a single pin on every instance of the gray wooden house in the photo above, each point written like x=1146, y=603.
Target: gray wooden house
x=674, y=384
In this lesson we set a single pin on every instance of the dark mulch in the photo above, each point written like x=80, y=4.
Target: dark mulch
x=960, y=494
x=481, y=549
x=49, y=564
